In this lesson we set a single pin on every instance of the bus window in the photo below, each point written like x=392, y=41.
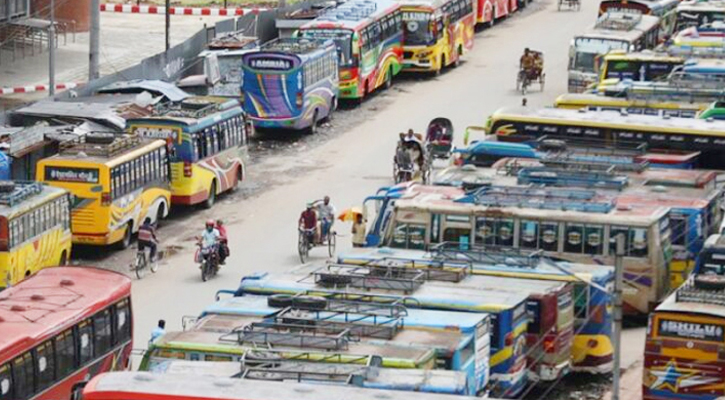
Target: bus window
x=529, y=234
x=593, y=239
x=85, y=342
x=457, y=235
x=495, y=231
x=409, y=236
x=581, y=299
x=23, y=376
x=532, y=310
x=45, y=365
x=678, y=226
x=573, y=242
x=638, y=241
x=6, y=385
x=549, y=237
x=122, y=325
x=102, y=329
x=65, y=351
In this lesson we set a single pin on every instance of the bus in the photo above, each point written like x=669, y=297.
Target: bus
x=34, y=229
x=461, y=340
x=150, y=386
x=290, y=83
x=683, y=353
x=369, y=40
x=521, y=124
x=573, y=225
x=437, y=33
x=644, y=66
x=594, y=102
x=591, y=349
x=117, y=183
x=207, y=140
x=696, y=13
x=271, y=367
x=716, y=110
x=666, y=10
x=612, y=31
x=60, y=327
x=507, y=309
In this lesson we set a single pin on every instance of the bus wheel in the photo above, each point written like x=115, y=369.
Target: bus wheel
x=313, y=127
x=237, y=179
x=63, y=258
x=389, y=78
x=459, y=52
x=127, y=235
x=211, y=199
x=160, y=214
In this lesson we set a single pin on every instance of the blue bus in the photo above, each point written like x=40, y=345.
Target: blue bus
x=290, y=83
x=4, y=167
x=461, y=340
x=507, y=309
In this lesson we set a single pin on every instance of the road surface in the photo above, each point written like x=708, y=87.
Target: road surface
x=351, y=160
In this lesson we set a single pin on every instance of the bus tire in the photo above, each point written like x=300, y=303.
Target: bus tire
x=389, y=78
x=492, y=22
x=309, y=302
x=160, y=214
x=211, y=199
x=279, y=300
x=459, y=52
x=333, y=107
x=127, y=236
x=63, y=258
x=313, y=126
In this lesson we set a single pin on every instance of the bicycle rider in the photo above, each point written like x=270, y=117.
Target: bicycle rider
x=147, y=238
x=308, y=221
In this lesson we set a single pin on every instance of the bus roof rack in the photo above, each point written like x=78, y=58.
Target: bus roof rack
x=293, y=45
x=565, y=177
x=704, y=289
x=267, y=355
x=15, y=192
x=453, y=252
x=433, y=271
x=541, y=198
x=284, y=369
x=351, y=11
x=100, y=144
x=618, y=21
x=565, y=161
x=270, y=334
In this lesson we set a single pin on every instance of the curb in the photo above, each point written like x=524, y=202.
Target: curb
x=37, y=88
x=134, y=9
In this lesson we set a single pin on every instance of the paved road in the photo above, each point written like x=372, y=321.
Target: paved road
x=356, y=162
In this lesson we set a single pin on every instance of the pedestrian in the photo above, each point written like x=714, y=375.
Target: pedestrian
x=159, y=331
x=358, y=231
x=524, y=101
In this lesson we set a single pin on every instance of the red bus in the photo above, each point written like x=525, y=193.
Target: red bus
x=62, y=326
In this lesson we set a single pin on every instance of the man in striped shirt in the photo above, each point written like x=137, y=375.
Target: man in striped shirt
x=147, y=238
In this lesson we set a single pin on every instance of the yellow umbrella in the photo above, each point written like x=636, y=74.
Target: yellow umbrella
x=349, y=214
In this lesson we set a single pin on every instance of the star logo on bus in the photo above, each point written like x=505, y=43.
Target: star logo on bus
x=672, y=378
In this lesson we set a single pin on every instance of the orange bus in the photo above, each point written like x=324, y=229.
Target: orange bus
x=60, y=327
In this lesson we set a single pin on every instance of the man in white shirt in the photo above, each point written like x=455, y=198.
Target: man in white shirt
x=327, y=216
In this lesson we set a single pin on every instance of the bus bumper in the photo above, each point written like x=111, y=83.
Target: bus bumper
x=510, y=384
x=592, y=354
x=550, y=372
x=282, y=123
x=189, y=200
x=349, y=89
x=98, y=239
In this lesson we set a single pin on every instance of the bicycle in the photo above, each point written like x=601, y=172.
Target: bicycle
x=142, y=262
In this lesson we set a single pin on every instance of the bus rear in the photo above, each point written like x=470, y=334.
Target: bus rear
x=684, y=354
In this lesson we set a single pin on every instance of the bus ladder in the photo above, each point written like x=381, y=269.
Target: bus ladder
x=541, y=198
x=21, y=191
x=562, y=177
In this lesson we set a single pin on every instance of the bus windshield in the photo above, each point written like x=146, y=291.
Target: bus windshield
x=343, y=42
x=417, y=28
x=639, y=70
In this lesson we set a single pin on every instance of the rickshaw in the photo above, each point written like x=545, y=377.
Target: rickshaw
x=439, y=138
x=525, y=78
x=411, y=151
x=304, y=244
x=571, y=4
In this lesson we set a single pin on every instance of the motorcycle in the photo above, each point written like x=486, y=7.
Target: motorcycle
x=208, y=259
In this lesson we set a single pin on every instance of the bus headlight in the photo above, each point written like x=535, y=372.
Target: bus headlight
x=424, y=54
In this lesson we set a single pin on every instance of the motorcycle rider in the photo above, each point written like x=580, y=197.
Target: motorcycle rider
x=210, y=236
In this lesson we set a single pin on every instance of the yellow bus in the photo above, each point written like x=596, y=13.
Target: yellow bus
x=34, y=229
x=117, y=183
x=208, y=143
x=593, y=102
x=642, y=66
x=437, y=33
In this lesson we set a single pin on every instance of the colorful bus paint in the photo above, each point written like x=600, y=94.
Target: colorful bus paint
x=290, y=83
x=207, y=140
x=369, y=40
x=507, y=310
x=468, y=334
x=592, y=349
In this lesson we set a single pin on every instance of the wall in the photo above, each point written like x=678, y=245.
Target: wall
x=65, y=11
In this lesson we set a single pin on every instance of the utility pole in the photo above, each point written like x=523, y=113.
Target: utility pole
x=51, y=51
x=168, y=24
x=618, y=278
x=94, y=54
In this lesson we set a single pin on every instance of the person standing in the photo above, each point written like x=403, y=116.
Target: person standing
x=159, y=331
x=358, y=231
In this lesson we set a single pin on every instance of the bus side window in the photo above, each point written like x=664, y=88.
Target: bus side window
x=65, y=353
x=45, y=365
x=122, y=324
x=638, y=242
x=529, y=234
x=593, y=239
x=103, y=338
x=6, y=382
x=23, y=376
x=85, y=342
x=549, y=236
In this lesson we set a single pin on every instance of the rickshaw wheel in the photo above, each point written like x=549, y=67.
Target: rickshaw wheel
x=331, y=243
x=302, y=247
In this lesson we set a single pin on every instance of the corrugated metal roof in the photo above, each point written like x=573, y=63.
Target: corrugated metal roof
x=169, y=90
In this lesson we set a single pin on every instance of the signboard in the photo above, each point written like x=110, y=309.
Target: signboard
x=67, y=174
x=691, y=330
x=157, y=132
x=270, y=62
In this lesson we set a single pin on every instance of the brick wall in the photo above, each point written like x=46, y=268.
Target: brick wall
x=77, y=10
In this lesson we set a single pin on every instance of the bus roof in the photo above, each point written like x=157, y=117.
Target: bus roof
x=704, y=66
x=209, y=341
x=612, y=119
x=430, y=295
x=48, y=302
x=121, y=149
x=413, y=317
x=149, y=386
x=622, y=26
x=591, y=99
x=26, y=196
x=193, y=111
x=645, y=55
x=636, y=215
x=352, y=15
x=701, y=5
x=297, y=46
